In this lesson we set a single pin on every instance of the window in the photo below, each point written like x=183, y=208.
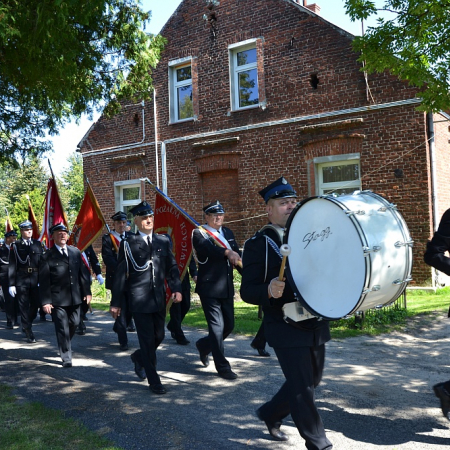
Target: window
x=128, y=194
x=244, y=75
x=181, y=90
x=338, y=176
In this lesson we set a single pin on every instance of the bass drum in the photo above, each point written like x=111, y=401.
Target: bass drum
x=348, y=253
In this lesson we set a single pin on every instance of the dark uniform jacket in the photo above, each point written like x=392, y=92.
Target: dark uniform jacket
x=215, y=272
x=92, y=260
x=24, y=263
x=254, y=290
x=4, y=263
x=145, y=289
x=62, y=280
x=110, y=260
x=440, y=243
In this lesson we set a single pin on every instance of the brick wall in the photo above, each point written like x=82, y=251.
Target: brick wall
x=208, y=163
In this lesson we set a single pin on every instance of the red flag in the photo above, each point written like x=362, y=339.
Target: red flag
x=170, y=220
x=8, y=224
x=53, y=212
x=89, y=223
x=32, y=219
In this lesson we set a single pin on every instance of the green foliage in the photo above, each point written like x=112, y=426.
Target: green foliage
x=60, y=59
x=412, y=44
x=71, y=187
x=28, y=178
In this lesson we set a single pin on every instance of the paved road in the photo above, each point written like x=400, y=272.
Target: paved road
x=376, y=392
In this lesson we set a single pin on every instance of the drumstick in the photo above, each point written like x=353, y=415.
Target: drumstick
x=285, y=250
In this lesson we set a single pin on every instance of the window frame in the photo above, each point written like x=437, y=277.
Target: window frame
x=119, y=186
x=174, y=85
x=234, y=69
x=336, y=160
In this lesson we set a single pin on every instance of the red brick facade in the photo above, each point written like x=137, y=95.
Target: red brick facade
x=313, y=103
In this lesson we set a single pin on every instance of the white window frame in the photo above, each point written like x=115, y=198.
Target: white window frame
x=336, y=160
x=233, y=50
x=119, y=186
x=174, y=85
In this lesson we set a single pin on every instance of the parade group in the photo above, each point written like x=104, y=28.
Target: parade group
x=57, y=281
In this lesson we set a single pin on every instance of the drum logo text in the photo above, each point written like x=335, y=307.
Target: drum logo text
x=309, y=237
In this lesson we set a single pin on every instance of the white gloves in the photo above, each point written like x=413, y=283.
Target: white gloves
x=12, y=291
x=100, y=280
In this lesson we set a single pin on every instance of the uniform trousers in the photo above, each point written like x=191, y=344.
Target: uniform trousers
x=122, y=322
x=178, y=312
x=66, y=320
x=150, y=331
x=11, y=306
x=28, y=299
x=259, y=341
x=219, y=314
x=303, y=368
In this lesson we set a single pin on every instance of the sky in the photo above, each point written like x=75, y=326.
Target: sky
x=66, y=142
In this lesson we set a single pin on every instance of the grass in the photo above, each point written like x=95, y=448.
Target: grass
x=31, y=426
x=375, y=322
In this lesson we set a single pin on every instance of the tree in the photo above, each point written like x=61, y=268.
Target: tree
x=413, y=43
x=62, y=58
x=30, y=178
x=71, y=187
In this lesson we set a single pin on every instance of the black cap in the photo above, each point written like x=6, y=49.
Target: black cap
x=10, y=233
x=27, y=225
x=58, y=227
x=214, y=208
x=119, y=215
x=143, y=209
x=278, y=189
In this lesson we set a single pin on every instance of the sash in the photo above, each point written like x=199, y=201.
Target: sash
x=216, y=235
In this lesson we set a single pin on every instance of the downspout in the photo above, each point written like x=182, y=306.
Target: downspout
x=155, y=120
x=433, y=182
x=164, y=167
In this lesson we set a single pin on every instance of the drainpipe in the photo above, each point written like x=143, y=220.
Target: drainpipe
x=155, y=120
x=433, y=183
x=163, y=167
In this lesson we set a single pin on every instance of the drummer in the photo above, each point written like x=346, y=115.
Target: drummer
x=299, y=346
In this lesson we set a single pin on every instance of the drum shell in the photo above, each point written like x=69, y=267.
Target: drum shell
x=348, y=253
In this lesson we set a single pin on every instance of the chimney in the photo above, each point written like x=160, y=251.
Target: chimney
x=314, y=7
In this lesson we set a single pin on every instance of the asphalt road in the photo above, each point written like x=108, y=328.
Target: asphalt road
x=376, y=392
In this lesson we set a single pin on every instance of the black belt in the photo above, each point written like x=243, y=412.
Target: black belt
x=28, y=269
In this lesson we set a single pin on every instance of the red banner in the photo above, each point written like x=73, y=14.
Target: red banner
x=53, y=212
x=169, y=220
x=32, y=219
x=8, y=225
x=89, y=223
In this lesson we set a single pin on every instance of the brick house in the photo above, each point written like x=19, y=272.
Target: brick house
x=245, y=95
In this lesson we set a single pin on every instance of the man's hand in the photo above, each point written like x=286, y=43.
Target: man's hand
x=276, y=288
x=115, y=311
x=88, y=299
x=100, y=279
x=47, y=308
x=233, y=257
x=176, y=297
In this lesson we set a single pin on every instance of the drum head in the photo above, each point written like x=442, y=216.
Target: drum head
x=326, y=265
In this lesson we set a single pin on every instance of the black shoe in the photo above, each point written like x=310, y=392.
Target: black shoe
x=442, y=394
x=273, y=427
x=183, y=341
x=261, y=351
x=174, y=336
x=30, y=337
x=123, y=347
x=9, y=325
x=157, y=388
x=81, y=330
x=140, y=371
x=16, y=325
x=228, y=375
x=67, y=364
x=131, y=328
x=203, y=356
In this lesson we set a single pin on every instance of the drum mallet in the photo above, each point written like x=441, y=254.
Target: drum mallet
x=285, y=250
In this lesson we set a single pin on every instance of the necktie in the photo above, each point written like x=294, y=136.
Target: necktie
x=63, y=251
x=149, y=242
x=121, y=236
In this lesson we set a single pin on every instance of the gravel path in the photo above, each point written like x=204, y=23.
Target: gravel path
x=376, y=392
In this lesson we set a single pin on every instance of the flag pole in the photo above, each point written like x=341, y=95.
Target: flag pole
x=103, y=217
x=188, y=217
